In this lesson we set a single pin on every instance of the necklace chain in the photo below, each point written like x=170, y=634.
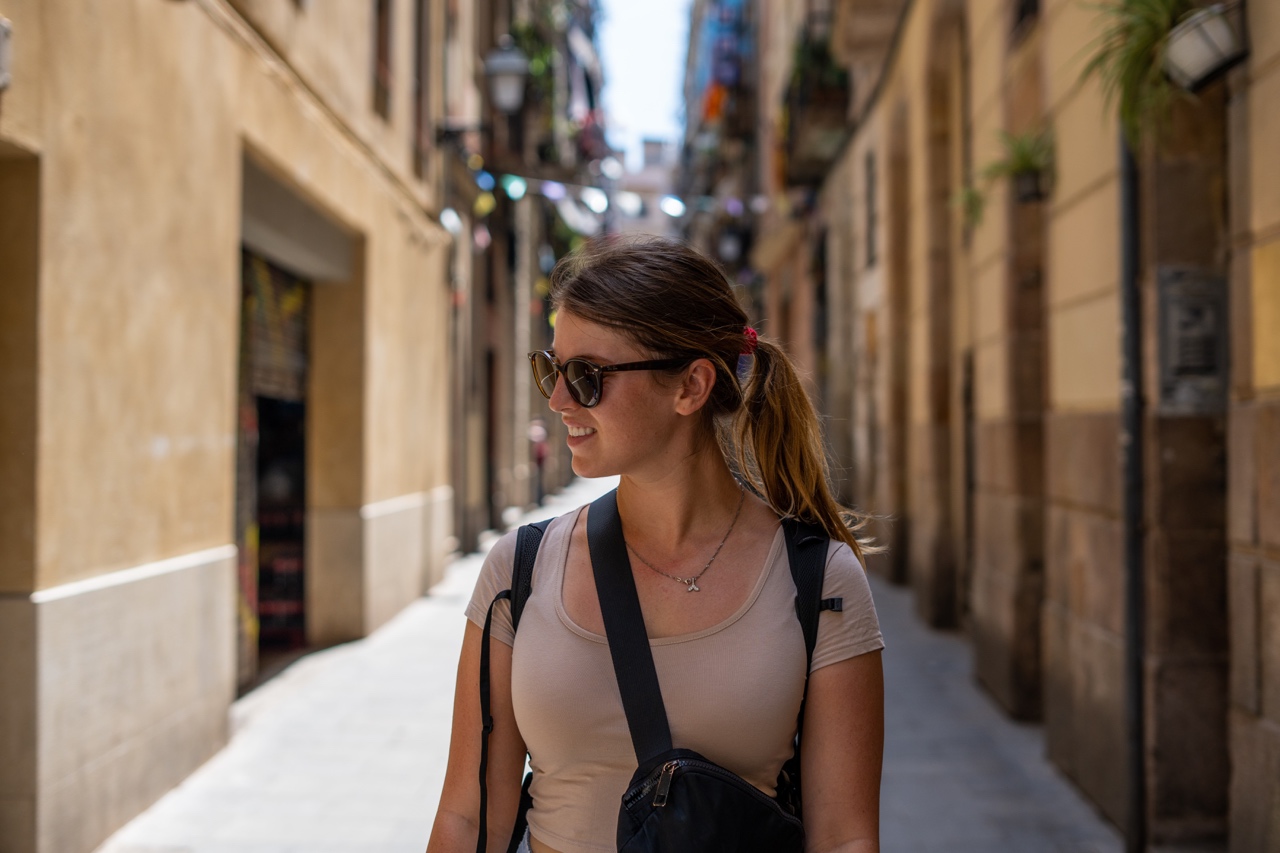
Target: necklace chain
x=692, y=582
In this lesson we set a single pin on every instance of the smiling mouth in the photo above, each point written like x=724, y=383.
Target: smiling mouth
x=578, y=432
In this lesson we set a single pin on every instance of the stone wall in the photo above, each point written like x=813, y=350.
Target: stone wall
x=1253, y=442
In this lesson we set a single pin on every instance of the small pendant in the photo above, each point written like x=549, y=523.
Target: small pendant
x=693, y=584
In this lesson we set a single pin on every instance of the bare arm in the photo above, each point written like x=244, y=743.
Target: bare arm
x=841, y=755
x=456, y=829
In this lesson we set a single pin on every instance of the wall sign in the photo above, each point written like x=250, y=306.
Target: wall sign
x=1192, y=313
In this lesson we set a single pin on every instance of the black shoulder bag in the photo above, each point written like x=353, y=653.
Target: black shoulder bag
x=679, y=801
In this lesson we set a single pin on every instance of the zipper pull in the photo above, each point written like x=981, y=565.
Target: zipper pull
x=664, y=783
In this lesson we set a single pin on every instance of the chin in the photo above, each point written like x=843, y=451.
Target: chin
x=587, y=469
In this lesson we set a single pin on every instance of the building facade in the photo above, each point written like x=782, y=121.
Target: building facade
x=224, y=316
x=1046, y=360
x=516, y=183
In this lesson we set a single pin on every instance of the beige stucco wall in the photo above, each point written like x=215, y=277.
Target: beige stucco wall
x=1082, y=248
x=136, y=300
x=317, y=39
x=120, y=172
x=989, y=243
x=1264, y=194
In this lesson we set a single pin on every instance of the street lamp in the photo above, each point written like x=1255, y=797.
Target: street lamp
x=1201, y=46
x=506, y=68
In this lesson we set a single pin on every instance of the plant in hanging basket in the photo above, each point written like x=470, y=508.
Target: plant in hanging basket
x=971, y=202
x=1129, y=60
x=1027, y=162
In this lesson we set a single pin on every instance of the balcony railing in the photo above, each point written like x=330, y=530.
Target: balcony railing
x=816, y=108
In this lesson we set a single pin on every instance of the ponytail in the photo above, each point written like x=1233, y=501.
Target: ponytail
x=671, y=300
x=779, y=448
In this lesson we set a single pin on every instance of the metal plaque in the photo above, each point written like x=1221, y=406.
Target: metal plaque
x=1193, y=352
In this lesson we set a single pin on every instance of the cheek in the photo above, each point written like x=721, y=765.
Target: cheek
x=643, y=421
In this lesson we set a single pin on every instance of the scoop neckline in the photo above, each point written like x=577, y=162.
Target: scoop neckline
x=562, y=560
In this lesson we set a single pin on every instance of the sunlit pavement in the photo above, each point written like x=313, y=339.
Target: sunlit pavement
x=344, y=752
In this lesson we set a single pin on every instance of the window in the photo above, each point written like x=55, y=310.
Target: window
x=872, y=208
x=1024, y=11
x=382, y=57
x=421, y=86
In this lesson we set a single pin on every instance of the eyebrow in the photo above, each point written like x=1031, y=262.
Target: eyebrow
x=603, y=362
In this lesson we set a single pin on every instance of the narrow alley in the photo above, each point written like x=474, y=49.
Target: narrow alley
x=344, y=752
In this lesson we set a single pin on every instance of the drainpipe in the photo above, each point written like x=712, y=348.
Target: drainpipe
x=1131, y=443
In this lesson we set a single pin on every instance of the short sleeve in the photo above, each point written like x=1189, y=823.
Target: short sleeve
x=854, y=630
x=495, y=576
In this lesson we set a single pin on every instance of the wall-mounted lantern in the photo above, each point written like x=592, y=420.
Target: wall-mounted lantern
x=6, y=53
x=507, y=67
x=1202, y=46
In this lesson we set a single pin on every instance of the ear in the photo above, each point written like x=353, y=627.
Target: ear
x=695, y=389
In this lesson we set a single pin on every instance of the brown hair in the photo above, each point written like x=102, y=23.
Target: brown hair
x=669, y=299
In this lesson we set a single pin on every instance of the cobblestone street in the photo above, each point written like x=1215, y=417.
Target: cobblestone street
x=344, y=752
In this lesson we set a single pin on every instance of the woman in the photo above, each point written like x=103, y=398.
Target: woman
x=709, y=565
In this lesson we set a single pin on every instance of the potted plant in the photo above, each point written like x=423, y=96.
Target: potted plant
x=1027, y=162
x=1129, y=56
x=971, y=202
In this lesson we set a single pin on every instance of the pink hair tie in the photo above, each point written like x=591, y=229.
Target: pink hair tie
x=753, y=340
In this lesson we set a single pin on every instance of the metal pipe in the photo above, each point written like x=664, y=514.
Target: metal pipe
x=1131, y=440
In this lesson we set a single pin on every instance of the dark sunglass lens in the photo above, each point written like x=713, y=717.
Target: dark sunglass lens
x=582, y=382
x=544, y=373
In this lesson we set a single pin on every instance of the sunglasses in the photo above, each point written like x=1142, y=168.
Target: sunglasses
x=585, y=380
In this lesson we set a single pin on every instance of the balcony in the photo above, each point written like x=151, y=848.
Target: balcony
x=816, y=111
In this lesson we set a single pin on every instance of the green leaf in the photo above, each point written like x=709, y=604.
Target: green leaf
x=1128, y=60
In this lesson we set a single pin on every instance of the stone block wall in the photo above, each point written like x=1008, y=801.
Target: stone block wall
x=1254, y=635
x=1083, y=607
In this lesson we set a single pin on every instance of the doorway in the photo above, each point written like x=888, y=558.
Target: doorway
x=271, y=506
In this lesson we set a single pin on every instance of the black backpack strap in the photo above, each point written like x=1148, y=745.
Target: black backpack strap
x=807, y=555
x=528, y=538
x=486, y=722
x=624, y=628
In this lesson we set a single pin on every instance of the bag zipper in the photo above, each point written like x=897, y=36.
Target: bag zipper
x=662, y=782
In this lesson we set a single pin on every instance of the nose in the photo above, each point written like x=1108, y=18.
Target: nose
x=560, y=399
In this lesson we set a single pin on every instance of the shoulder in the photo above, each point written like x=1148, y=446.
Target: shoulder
x=503, y=552
x=853, y=629
x=501, y=558
x=845, y=577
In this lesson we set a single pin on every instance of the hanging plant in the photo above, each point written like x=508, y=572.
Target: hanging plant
x=1128, y=58
x=814, y=71
x=1027, y=162
x=537, y=43
x=971, y=202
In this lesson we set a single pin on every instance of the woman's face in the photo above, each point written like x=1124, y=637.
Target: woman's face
x=636, y=426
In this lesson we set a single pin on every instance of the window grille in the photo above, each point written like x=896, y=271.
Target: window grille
x=421, y=86
x=382, y=58
x=872, y=208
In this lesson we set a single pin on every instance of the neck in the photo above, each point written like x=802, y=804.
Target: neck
x=691, y=501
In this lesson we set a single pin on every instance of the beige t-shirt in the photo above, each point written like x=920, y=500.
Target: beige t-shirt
x=732, y=691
